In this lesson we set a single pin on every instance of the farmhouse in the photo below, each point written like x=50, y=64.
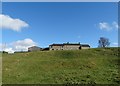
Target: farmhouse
x=68, y=46
x=85, y=46
x=64, y=46
x=34, y=48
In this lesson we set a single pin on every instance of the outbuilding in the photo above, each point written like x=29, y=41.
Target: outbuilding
x=34, y=48
x=85, y=46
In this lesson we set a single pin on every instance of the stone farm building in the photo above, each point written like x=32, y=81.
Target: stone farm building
x=64, y=46
x=84, y=46
x=68, y=46
x=34, y=48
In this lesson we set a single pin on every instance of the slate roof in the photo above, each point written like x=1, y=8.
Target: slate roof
x=34, y=47
x=65, y=44
x=56, y=45
x=85, y=45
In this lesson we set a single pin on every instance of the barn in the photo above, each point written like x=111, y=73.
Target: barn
x=34, y=48
x=85, y=46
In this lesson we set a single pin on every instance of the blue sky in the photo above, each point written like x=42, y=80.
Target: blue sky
x=49, y=23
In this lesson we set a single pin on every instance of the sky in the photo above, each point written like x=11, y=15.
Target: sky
x=60, y=0
x=25, y=24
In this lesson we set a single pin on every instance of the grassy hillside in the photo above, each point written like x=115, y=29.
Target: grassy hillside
x=98, y=66
x=0, y=68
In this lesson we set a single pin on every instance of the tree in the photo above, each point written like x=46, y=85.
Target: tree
x=103, y=42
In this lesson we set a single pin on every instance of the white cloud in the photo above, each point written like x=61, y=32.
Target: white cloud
x=0, y=46
x=106, y=26
x=9, y=50
x=3, y=47
x=115, y=44
x=22, y=45
x=8, y=22
x=115, y=25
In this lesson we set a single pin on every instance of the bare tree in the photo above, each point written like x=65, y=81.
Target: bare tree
x=103, y=42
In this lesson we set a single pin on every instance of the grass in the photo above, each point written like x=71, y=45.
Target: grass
x=0, y=68
x=92, y=66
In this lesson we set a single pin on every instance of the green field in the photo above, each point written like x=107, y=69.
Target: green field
x=0, y=68
x=92, y=66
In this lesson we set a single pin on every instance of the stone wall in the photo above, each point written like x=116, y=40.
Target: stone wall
x=65, y=47
x=85, y=47
x=71, y=47
x=56, y=48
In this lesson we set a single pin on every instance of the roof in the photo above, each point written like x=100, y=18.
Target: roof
x=85, y=45
x=56, y=45
x=65, y=44
x=71, y=44
x=34, y=47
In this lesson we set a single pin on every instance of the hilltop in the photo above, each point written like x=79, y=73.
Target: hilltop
x=90, y=66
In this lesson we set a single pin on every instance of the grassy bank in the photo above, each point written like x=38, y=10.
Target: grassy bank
x=77, y=67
